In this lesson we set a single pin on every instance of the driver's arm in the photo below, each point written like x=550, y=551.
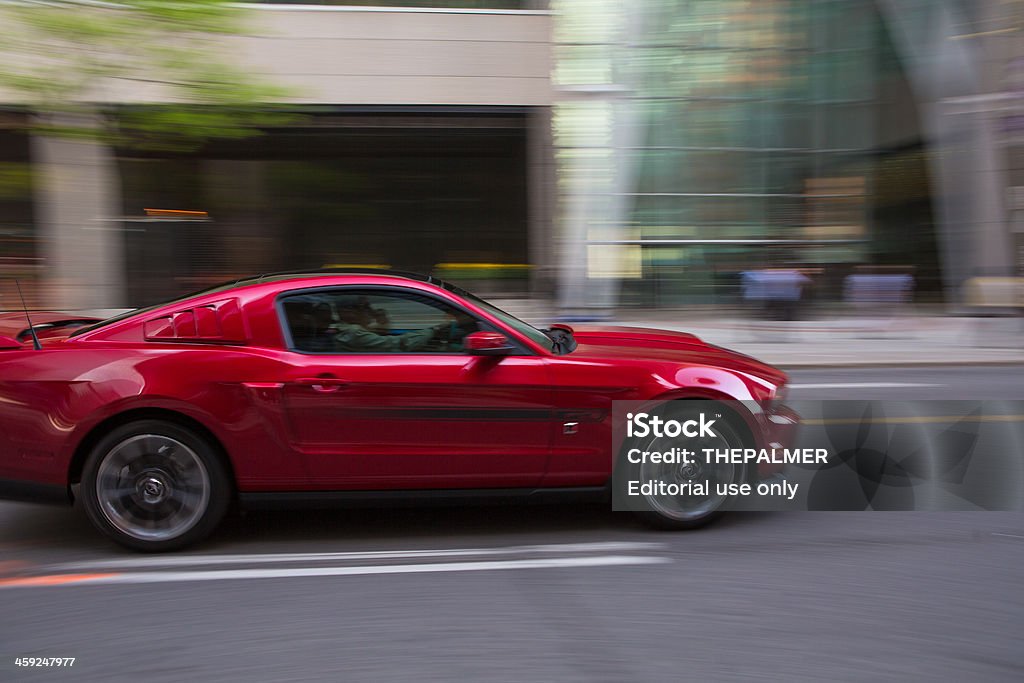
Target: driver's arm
x=415, y=340
x=357, y=338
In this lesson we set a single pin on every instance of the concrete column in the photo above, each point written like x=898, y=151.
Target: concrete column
x=599, y=206
x=598, y=182
x=994, y=250
x=77, y=196
x=969, y=176
x=571, y=244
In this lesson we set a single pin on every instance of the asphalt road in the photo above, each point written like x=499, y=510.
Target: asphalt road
x=571, y=593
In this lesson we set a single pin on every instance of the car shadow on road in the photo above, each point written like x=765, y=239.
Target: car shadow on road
x=462, y=523
x=451, y=526
x=23, y=526
x=68, y=532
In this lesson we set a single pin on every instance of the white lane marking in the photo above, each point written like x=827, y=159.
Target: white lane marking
x=310, y=572
x=1007, y=535
x=269, y=558
x=862, y=385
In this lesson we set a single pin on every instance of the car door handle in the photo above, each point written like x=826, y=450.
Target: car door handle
x=326, y=385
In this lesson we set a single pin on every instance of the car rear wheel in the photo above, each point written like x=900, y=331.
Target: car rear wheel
x=691, y=510
x=154, y=486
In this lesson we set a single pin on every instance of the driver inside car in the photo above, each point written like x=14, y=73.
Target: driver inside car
x=355, y=331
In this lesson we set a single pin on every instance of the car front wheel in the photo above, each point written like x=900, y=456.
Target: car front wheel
x=153, y=486
x=704, y=485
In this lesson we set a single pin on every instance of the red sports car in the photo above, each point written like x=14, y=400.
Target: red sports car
x=339, y=387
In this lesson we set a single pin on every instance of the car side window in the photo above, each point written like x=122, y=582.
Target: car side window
x=375, y=321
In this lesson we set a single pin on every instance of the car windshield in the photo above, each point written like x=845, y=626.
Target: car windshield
x=520, y=326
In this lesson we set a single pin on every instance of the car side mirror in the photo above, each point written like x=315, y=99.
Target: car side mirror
x=563, y=327
x=9, y=343
x=487, y=344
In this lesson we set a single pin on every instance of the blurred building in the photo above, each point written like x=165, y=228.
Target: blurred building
x=600, y=153
x=698, y=139
x=422, y=142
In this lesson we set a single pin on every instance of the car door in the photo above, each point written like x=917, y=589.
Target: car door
x=586, y=389
x=378, y=405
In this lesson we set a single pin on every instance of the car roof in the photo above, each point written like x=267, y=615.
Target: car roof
x=332, y=272
x=277, y=277
x=270, y=278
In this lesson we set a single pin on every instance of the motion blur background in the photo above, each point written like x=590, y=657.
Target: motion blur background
x=624, y=159
x=590, y=155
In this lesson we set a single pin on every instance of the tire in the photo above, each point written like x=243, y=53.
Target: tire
x=692, y=512
x=155, y=486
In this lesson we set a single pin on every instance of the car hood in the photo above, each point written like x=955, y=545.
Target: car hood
x=666, y=345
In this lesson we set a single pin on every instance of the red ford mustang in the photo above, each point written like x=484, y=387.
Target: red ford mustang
x=339, y=387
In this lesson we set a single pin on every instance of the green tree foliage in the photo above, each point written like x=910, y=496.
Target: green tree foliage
x=72, y=61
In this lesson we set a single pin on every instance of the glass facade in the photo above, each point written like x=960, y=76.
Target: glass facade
x=700, y=138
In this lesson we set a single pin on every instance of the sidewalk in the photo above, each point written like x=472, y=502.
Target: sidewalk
x=837, y=342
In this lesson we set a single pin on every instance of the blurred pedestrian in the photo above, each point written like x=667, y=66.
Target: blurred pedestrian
x=776, y=292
